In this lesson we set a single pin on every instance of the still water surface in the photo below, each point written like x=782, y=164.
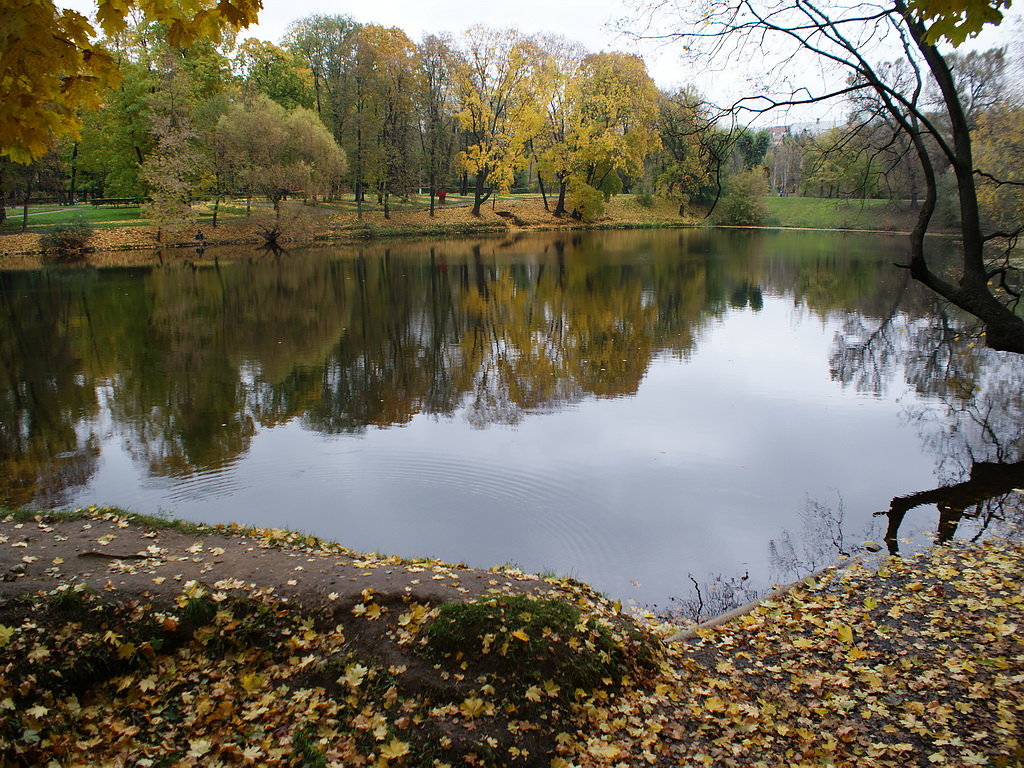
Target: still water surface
x=629, y=408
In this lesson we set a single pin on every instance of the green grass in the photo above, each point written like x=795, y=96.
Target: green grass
x=822, y=213
x=44, y=216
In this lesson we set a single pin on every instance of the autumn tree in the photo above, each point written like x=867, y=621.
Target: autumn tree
x=389, y=77
x=684, y=164
x=601, y=124
x=436, y=104
x=276, y=152
x=174, y=171
x=498, y=107
x=560, y=75
x=860, y=39
x=999, y=141
x=51, y=68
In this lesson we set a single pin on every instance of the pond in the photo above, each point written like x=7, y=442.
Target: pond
x=641, y=410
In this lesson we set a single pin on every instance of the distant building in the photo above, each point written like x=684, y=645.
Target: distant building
x=796, y=130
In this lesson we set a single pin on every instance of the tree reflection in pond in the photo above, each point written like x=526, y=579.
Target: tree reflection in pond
x=971, y=417
x=181, y=371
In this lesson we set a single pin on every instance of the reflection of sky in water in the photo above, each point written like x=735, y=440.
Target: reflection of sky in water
x=713, y=457
x=209, y=394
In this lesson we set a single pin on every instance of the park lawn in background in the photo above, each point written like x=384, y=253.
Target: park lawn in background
x=832, y=213
x=44, y=216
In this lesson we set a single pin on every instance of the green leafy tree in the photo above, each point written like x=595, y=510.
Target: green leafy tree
x=275, y=152
x=742, y=201
x=275, y=72
x=683, y=168
x=325, y=44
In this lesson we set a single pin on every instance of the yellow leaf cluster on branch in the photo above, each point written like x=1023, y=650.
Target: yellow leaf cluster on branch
x=52, y=67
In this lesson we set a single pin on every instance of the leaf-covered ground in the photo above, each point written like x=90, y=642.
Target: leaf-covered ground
x=920, y=662
x=132, y=245
x=125, y=642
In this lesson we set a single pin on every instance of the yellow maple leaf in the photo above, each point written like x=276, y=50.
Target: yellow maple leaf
x=520, y=635
x=600, y=749
x=533, y=693
x=354, y=674
x=252, y=682
x=6, y=633
x=394, y=749
x=714, y=704
x=473, y=707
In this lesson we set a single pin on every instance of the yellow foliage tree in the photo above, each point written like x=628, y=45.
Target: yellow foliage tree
x=51, y=67
x=999, y=145
x=499, y=106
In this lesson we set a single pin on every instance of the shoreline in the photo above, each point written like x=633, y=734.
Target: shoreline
x=193, y=644
x=307, y=226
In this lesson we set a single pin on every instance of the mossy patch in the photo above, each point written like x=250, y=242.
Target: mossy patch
x=533, y=640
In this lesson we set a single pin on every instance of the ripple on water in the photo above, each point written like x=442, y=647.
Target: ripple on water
x=556, y=507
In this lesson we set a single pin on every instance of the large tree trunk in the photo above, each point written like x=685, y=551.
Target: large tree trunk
x=563, y=183
x=1004, y=330
x=24, y=205
x=72, y=191
x=432, y=182
x=543, y=194
x=479, y=195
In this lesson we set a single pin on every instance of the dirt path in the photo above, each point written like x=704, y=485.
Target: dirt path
x=109, y=555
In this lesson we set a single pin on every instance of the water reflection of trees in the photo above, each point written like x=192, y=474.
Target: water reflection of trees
x=189, y=360
x=47, y=439
x=970, y=414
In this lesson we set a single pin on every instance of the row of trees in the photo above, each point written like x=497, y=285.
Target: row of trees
x=863, y=159
x=494, y=110
x=362, y=108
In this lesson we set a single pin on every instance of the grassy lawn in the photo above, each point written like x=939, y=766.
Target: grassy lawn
x=43, y=216
x=834, y=214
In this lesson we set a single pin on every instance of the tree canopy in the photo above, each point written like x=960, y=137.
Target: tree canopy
x=51, y=66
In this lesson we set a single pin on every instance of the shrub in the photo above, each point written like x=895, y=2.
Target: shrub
x=586, y=202
x=68, y=237
x=742, y=201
